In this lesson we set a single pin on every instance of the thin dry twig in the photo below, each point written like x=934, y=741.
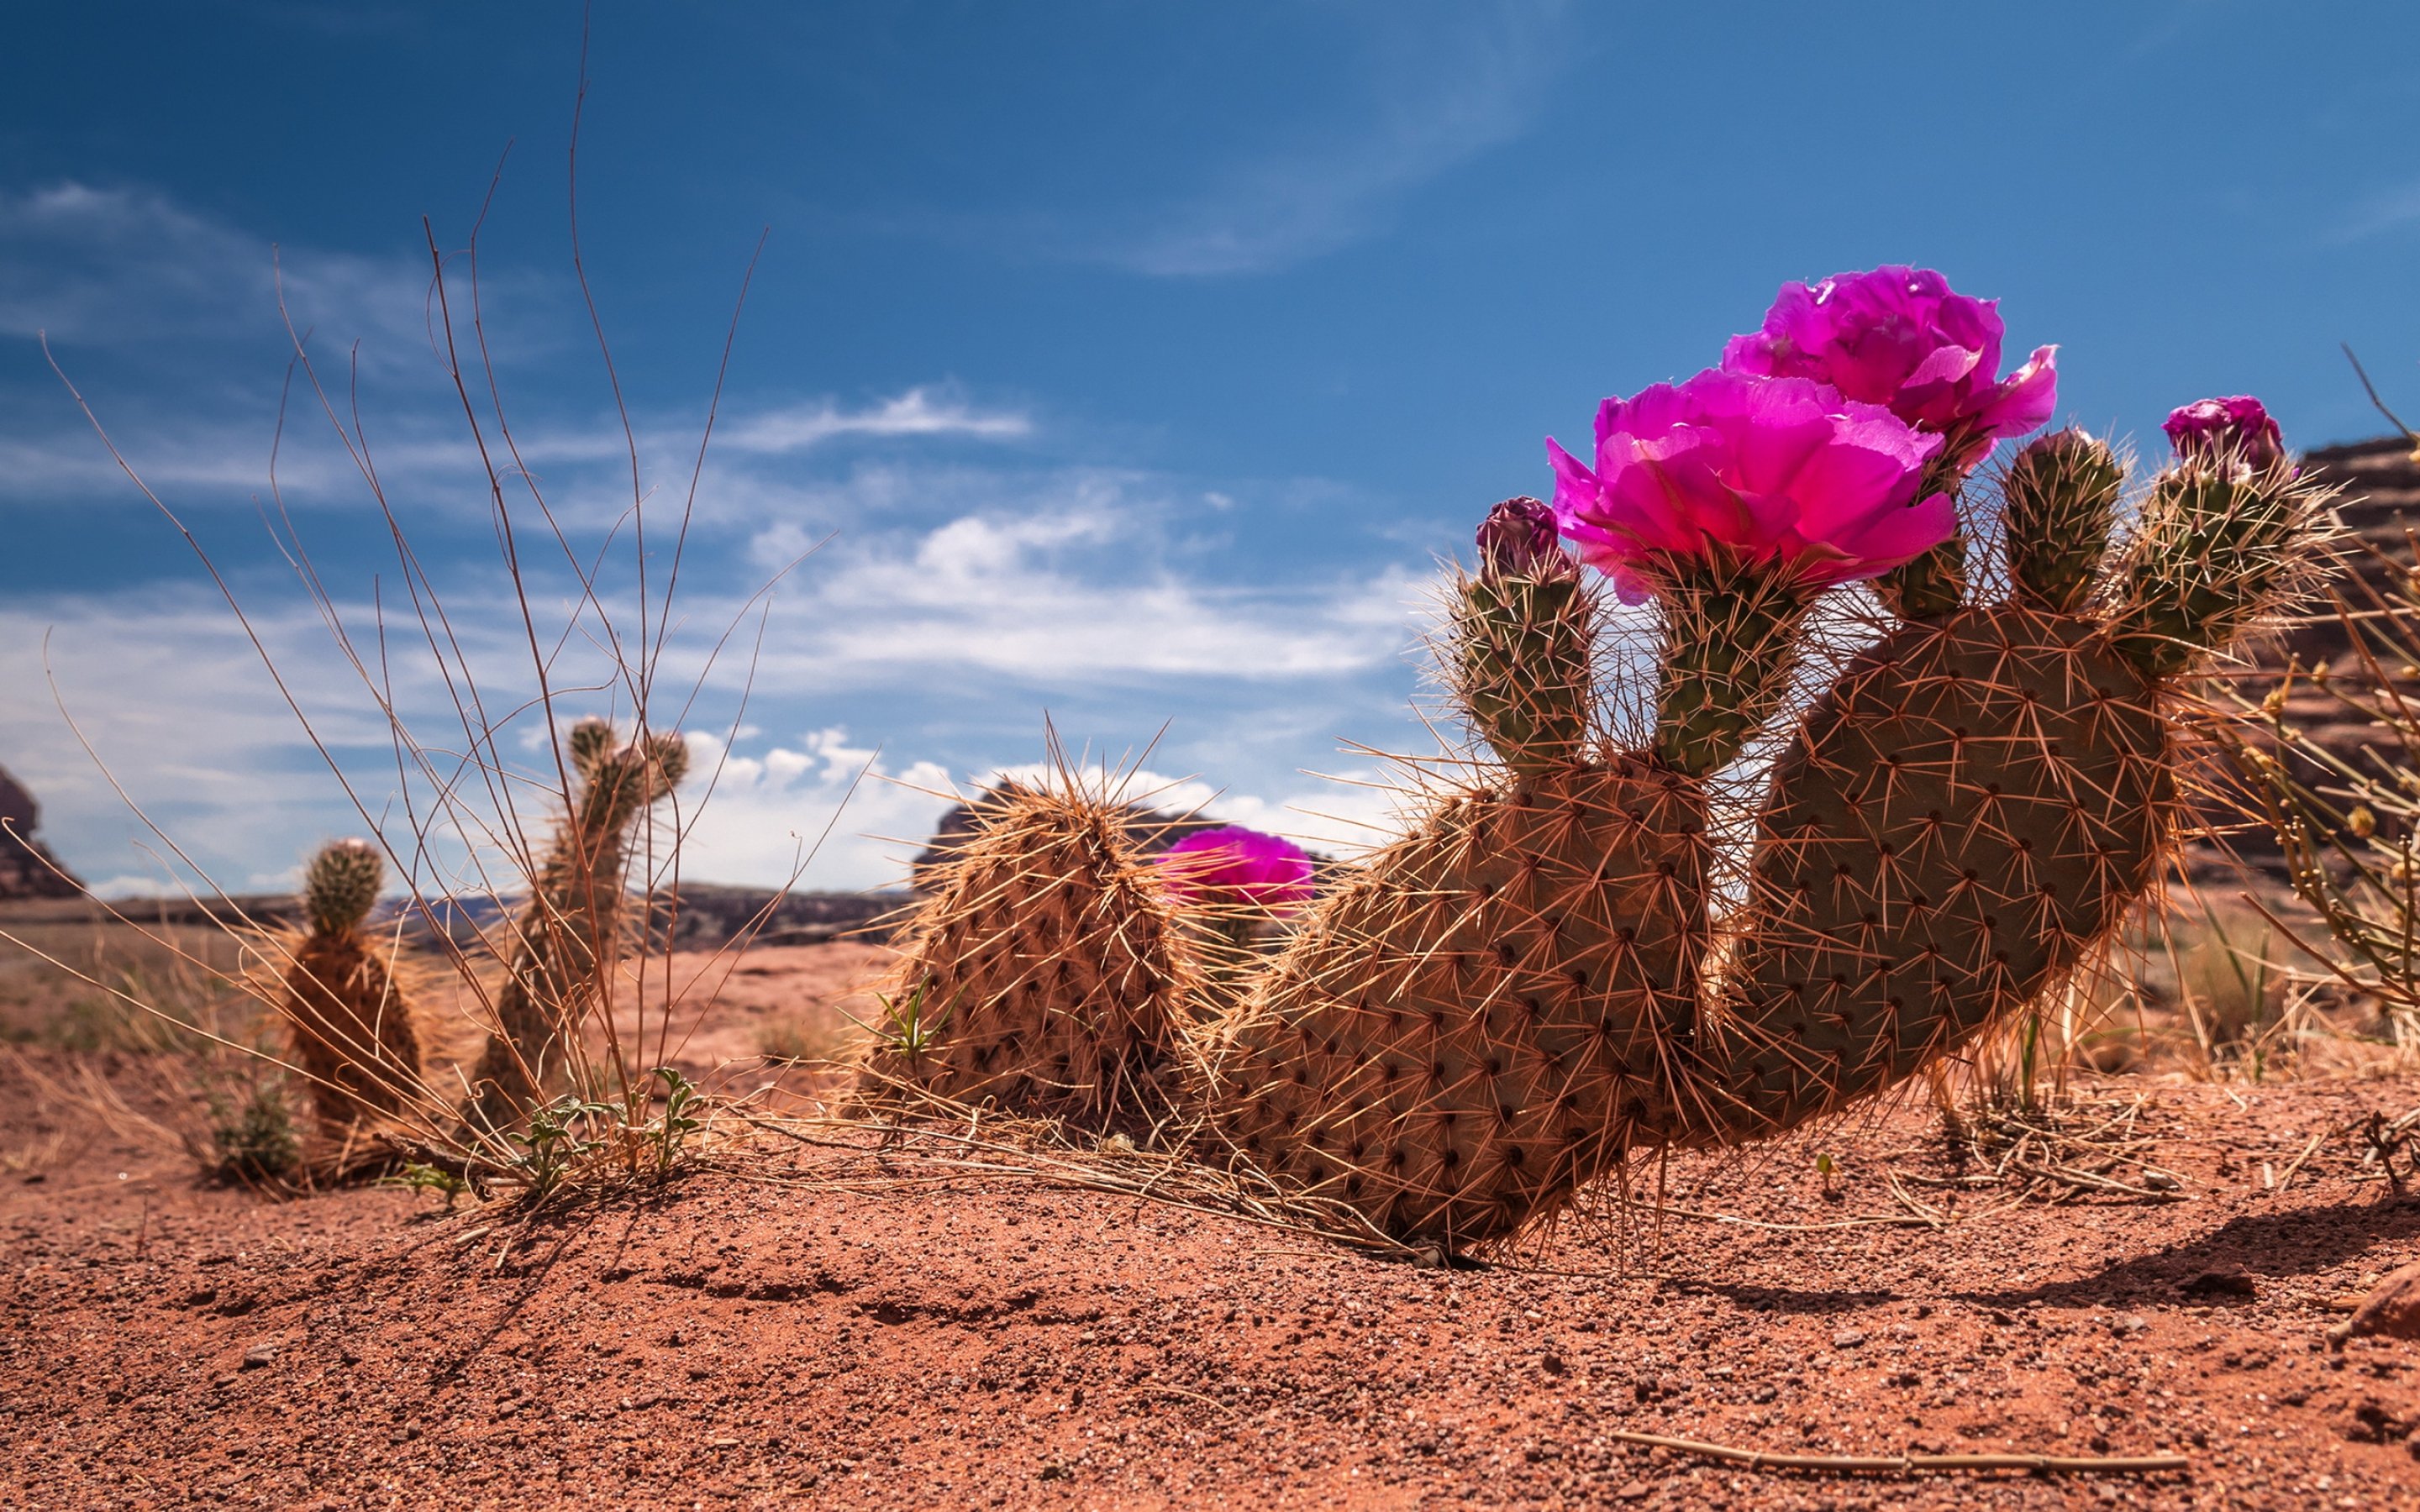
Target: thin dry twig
x=1910, y=1464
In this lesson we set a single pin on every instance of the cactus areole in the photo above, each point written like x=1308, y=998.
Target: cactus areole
x=1521, y=995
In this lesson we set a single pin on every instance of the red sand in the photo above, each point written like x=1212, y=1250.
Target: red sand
x=729, y=1340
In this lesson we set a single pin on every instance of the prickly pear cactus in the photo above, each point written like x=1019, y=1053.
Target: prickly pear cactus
x=1523, y=992
x=1465, y=1033
x=1041, y=974
x=347, y=1014
x=1470, y=1028
x=566, y=939
x=1973, y=810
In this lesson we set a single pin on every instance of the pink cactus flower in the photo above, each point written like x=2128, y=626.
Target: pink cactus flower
x=1233, y=864
x=2238, y=424
x=1903, y=338
x=1768, y=470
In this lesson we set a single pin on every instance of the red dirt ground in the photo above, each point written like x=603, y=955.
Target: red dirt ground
x=987, y=1341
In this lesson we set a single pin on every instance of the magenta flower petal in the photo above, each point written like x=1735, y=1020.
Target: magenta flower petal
x=1904, y=338
x=2027, y=400
x=1233, y=864
x=1780, y=471
x=2240, y=424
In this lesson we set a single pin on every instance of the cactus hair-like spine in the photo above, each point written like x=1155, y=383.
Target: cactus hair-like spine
x=568, y=937
x=1041, y=974
x=342, y=1000
x=1970, y=811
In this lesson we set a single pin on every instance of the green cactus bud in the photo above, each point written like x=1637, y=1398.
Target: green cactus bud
x=670, y=753
x=2219, y=549
x=1731, y=635
x=1525, y=637
x=1933, y=584
x=341, y=884
x=2062, y=498
x=592, y=740
x=1929, y=587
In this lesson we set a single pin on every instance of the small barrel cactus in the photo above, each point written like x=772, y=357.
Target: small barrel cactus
x=1041, y=973
x=347, y=1014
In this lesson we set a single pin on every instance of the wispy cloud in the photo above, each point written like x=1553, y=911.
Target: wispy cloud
x=2388, y=209
x=1442, y=88
x=944, y=641
x=916, y=412
x=1422, y=89
x=119, y=267
x=231, y=456
x=1065, y=597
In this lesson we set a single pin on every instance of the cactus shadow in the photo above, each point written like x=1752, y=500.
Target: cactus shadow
x=2264, y=1247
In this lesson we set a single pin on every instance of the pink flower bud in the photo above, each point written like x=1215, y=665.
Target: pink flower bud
x=1518, y=539
x=2239, y=426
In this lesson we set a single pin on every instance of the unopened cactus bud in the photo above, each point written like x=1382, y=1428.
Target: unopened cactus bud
x=341, y=884
x=2220, y=546
x=2062, y=498
x=1519, y=539
x=1525, y=633
x=2237, y=427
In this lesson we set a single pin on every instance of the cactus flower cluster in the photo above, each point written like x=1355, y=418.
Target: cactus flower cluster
x=1520, y=997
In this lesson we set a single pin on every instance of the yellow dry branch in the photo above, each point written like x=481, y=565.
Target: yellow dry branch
x=1911, y=1464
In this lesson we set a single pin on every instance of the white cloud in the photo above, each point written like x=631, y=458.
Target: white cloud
x=2386, y=211
x=124, y=266
x=957, y=634
x=916, y=412
x=1070, y=591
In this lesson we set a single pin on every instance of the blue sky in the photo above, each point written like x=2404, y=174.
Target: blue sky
x=1137, y=361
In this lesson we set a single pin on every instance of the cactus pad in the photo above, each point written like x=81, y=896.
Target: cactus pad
x=1464, y=1033
x=1041, y=974
x=1961, y=820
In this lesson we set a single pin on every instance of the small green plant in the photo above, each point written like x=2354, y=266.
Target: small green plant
x=559, y=1134
x=668, y=1130
x=905, y=1030
x=251, y=1134
x=420, y=1177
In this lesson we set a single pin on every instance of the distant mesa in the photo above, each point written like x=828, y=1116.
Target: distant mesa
x=1150, y=829
x=2381, y=505
x=27, y=868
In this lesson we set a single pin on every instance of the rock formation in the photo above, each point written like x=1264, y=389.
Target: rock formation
x=27, y=868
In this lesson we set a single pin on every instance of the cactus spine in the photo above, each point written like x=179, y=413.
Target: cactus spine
x=566, y=938
x=346, y=1011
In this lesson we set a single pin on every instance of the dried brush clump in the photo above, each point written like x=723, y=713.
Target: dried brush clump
x=2346, y=815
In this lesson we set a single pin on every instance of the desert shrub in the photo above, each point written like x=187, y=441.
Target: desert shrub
x=253, y=1136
